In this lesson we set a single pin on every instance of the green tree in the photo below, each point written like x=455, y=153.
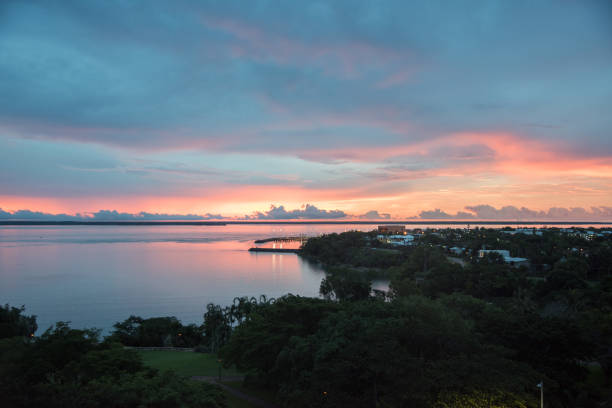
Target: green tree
x=256, y=343
x=217, y=327
x=14, y=323
x=156, y=332
x=345, y=285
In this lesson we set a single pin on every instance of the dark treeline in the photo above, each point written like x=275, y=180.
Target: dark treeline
x=170, y=332
x=65, y=367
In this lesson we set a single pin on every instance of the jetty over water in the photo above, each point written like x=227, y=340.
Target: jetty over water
x=300, y=238
x=277, y=250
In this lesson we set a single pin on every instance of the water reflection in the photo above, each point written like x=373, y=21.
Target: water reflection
x=105, y=280
x=97, y=275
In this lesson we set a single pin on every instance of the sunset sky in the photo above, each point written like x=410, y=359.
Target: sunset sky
x=357, y=108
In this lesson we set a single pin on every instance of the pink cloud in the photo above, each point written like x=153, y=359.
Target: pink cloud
x=348, y=59
x=508, y=154
x=394, y=79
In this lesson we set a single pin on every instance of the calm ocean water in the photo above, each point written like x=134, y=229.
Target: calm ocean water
x=95, y=276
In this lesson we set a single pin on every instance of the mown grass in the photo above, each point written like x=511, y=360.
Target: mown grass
x=186, y=364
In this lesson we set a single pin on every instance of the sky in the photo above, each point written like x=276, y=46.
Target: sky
x=295, y=110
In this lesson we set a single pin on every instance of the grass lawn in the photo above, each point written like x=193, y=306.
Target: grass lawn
x=185, y=363
x=188, y=364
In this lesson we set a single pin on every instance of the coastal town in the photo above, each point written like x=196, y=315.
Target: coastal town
x=495, y=242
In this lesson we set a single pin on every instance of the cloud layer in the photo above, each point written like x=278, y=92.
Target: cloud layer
x=350, y=105
x=311, y=212
x=511, y=213
x=308, y=212
x=102, y=215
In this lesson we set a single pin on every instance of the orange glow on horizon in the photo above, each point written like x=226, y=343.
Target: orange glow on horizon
x=520, y=172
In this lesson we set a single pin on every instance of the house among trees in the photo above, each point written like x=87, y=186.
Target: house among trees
x=397, y=239
x=457, y=250
x=506, y=255
x=392, y=229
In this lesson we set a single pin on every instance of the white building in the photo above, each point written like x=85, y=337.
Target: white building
x=457, y=250
x=526, y=231
x=397, y=239
x=506, y=255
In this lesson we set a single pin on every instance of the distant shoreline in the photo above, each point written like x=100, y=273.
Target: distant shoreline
x=279, y=222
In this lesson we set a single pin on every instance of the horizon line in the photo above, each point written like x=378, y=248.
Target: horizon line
x=298, y=222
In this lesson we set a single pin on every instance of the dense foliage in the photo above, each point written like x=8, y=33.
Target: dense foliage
x=14, y=323
x=356, y=249
x=157, y=332
x=452, y=332
x=412, y=352
x=170, y=332
x=65, y=367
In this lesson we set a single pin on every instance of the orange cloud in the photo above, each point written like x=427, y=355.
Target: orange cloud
x=495, y=168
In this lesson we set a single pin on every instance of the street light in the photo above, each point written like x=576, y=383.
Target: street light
x=541, y=387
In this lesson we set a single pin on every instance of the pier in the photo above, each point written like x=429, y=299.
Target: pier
x=300, y=238
x=277, y=250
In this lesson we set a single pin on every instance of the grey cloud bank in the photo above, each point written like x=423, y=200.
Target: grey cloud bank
x=374, y=215
x=511, y=213
x=102, y=215
x=311, y=212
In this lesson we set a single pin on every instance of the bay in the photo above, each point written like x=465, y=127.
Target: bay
x=94, y=276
